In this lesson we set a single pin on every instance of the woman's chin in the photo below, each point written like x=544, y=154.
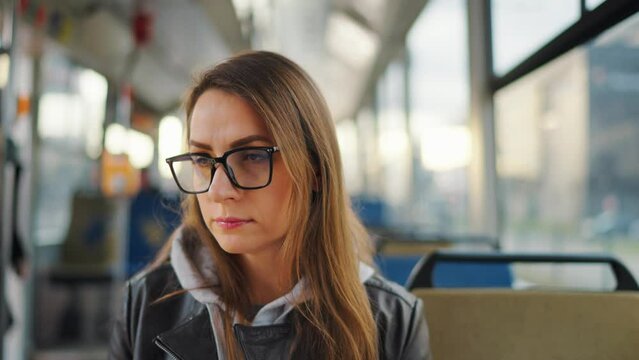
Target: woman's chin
x=230, y=245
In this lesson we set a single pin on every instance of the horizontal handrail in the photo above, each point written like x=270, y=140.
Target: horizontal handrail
x=422, y=274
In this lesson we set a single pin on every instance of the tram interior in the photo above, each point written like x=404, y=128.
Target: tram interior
x=490, y=147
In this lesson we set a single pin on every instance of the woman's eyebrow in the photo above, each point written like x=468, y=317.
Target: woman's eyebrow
x=200, y=145
x=237, y=143
x=249, y=139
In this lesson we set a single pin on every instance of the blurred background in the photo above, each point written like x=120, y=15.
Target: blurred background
x=479, y=124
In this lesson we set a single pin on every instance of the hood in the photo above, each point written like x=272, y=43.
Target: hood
x=195, y=270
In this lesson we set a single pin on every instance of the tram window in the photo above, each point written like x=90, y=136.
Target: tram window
x=568, y=152
x=438, y=119
x=591, y=4
x=71, y=114
x=520, y=27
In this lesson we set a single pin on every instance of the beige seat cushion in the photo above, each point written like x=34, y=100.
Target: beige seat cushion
x=523, y=325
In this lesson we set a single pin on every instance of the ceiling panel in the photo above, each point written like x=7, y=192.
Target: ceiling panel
x=191, y=35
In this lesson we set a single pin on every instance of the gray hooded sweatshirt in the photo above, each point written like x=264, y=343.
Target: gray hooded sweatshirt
x=195, y=268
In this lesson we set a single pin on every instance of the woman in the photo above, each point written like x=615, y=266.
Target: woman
x=270, y=261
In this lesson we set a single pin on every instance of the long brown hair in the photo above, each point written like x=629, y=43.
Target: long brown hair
x=326, y=241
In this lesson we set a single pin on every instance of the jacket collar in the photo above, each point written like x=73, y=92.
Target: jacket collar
x=196, y=271
x=193, y=339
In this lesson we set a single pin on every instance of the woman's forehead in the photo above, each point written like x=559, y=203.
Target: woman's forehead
x=221, y=120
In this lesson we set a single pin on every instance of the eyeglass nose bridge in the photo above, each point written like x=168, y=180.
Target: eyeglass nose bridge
x=228, y=171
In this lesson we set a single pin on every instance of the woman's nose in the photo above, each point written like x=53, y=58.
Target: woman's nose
x=221, y=186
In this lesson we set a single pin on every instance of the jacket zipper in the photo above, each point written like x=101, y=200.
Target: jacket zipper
x=166, y=349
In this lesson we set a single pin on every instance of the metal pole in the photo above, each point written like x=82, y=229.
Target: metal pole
x=7, y=111
x=484, y=215
x=30, y=201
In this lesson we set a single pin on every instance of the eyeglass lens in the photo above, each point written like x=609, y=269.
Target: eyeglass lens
x=250, y=168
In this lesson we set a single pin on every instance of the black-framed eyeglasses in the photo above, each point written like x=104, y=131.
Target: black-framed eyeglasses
x=248, y=168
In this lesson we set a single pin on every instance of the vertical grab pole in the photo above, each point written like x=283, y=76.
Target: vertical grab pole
x=7, y=111
x=484, y=212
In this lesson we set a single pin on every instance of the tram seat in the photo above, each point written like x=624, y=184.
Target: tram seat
x=396, y=259
x=87, y=260
x=396, y=268
x=437, y=270
x=490, y=324
x=502, y=324
x=152, y=219
x=89, y=249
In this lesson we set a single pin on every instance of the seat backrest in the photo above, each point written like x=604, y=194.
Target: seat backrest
x=90, y=244
x=451, y=274
x=492, y=269
x=526, y=325
x=152, y=218
x=396, y=267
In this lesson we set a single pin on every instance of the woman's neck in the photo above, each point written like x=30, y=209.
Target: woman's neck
x=267, y=276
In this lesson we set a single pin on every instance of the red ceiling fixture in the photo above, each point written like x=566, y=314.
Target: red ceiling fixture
x=142, y=26
x=40, y=16
x=23, y=5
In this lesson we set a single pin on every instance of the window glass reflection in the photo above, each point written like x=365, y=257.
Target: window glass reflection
x=438, y=117
x=71, y=117
x=521, y=27
x=568, y=150
x=591, y=4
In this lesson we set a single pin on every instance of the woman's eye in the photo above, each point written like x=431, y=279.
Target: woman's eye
x=256, y=156
x=201, y=162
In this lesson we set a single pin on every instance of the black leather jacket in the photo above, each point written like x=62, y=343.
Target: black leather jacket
x=180, y=327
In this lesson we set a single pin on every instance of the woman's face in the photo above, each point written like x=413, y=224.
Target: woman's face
x=249, y=222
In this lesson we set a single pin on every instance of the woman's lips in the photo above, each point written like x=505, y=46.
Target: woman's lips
x=230, y=223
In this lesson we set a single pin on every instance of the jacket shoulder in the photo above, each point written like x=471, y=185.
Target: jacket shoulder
x=400, y=320
x=155, y=292
x=158, y=281
x=153, y=304
x=381, y=290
